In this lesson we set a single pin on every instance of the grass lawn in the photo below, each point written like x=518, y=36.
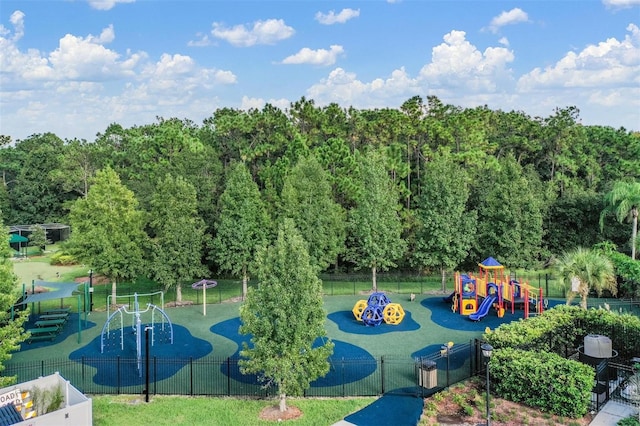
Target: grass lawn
x=121, y=410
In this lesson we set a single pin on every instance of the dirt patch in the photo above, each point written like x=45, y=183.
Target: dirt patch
x=179, y=304
x=464, y=405
x=37, y=290
x=96, y=280
x=273, y=413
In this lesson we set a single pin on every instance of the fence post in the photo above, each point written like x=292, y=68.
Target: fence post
x=191, y=374
x=382, y=372
x=118, y=375
x=42, y=368
x=342, y=369
x=155, y=375
x=228, y=376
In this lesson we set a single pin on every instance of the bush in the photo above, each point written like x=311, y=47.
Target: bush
x=63, y=259
x=562, y=329
x=543, y=380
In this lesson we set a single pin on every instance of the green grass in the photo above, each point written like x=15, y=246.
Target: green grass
x=172, y=410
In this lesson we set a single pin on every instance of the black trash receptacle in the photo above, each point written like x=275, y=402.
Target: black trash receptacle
x=428, y=373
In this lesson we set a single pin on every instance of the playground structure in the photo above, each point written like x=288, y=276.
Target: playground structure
x=376, y=309
x=164, y=329
x=474, y=296
x=204, y=285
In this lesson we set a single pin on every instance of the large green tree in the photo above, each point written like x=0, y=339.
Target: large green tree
x=624, y=201
x=177, y=234
x=584, y=270
x=242, y=226
x=374, y=225
x=284, y=317
x=108, y=230
x=511, y=203
x=446, y=228
x=11, y=331
x=307, y=199
x=35, y=197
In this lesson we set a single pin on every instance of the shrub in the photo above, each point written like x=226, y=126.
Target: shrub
x=63, y=259
x=543, y=380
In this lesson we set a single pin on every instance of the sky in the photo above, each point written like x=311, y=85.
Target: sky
x=73, y=67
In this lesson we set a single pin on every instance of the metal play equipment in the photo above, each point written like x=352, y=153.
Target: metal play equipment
x=204, y=285
x=164, y=328
x=376, y=309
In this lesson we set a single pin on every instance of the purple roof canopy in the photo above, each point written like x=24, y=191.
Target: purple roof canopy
x=204, y=284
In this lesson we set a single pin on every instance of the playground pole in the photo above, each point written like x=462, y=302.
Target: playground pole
x=146, y=362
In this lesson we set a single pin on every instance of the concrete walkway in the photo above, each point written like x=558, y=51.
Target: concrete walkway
x=612, y=413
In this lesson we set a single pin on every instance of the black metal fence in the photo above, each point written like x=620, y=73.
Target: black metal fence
x=216, y=376
x=618, y=382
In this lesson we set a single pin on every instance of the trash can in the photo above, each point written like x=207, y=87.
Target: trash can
x=428, y=374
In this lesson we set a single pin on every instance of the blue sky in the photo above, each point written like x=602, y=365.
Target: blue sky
x=74, y=67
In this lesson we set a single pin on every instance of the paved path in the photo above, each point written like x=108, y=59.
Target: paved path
x=612, y=413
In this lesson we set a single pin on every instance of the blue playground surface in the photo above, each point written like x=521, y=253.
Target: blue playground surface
x=366, y=362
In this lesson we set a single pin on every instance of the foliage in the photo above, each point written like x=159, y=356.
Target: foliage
x=562, y=329
x=510, y=205
x=38, y=237
x=529, y=177
x=374, y=228
x=242, y=227
x=47, y=400
x=627, y=270
x=445, y=228
x=585, y=270
x=63, y=258
x=11, y=331
x=284, y=317
x=108, y=231
x=307, y=199
x=629, y=421
x=624, y=201
x=177, y=234
x=542, y=379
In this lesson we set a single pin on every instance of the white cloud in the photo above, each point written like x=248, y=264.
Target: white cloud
x=511, y=17
x=84, y=83
x=344, y=87
x=201, y=41
x=620, y=4
x=458, y=63
x=611, y=62
x=106, y=4
x=315, y=57
x=261, y=32
x=504, y=41
x=248, y=103
x=340, y=18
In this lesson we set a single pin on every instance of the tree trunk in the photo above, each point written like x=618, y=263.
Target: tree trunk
x=245, y=280
x=283, y=403
x=584, y=294
x=634, y=232
x=374, y=279
x=178, y=293
x=443, y=272
x=113, y=292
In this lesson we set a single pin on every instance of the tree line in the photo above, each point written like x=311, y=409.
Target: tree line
x=426, y=187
